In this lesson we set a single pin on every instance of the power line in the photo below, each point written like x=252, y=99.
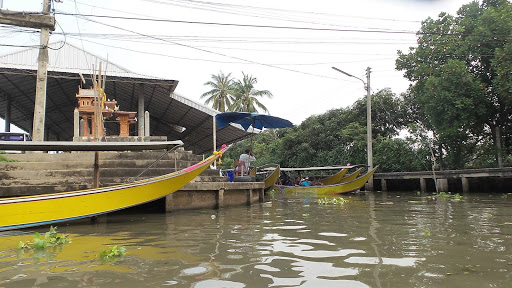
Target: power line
x=236, y=25
x=208, y=51
x=279, y=27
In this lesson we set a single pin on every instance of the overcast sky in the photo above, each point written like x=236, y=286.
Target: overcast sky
x=288, y=45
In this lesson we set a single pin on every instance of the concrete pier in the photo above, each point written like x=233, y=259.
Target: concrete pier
x=469, y=180
x=214, y=195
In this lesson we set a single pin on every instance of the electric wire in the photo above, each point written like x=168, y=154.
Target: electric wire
x=208, y=51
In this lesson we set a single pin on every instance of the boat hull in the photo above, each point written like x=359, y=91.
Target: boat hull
x=272, y=178
x=21, y=212
x=338, y=188
x=352, y=176
x=336, y=178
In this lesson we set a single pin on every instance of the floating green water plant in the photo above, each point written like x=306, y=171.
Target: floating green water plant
x=50, y=239
x=456, y=197
x=335, y=200
x=113, y=253
x=426, y=232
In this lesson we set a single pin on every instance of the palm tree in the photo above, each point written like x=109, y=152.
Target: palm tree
x=245, y=95
x=220, y=94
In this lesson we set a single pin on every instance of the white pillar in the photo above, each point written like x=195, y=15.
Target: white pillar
x=140, y=111
x=76, y=123
x=146, y=124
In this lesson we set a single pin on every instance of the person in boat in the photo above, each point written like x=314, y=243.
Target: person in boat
x=305, y=182
x=316, y=182
x=297, y=181
x=246, y=159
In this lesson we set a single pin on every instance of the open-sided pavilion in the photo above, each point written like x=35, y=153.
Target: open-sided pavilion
x=170, y=114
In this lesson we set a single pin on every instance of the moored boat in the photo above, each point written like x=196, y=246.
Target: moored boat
x=351, y=176
x=333, y=179
x=271, y=174
x=21, y=212
x=338, y=188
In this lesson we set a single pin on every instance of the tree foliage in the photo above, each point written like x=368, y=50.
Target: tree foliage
x=220, y=95
x=338, y=137
x=460, y=72
x=228, y=94
x=246, y=95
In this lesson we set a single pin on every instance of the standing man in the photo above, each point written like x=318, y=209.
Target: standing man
x=246, y=159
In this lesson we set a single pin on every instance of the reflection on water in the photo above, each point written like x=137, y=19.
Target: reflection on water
x=373, y=240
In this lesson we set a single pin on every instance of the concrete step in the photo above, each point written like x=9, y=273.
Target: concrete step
x=14, y=188
x=68, y=174
x=27, y=190
x=89, y=156
x=55, y=165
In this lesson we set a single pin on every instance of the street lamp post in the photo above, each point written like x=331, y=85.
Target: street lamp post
x=368, y=120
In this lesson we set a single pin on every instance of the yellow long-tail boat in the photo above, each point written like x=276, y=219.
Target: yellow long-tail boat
x=271, y=178
x=352, y=176
x=333, y=179
x=338, y=188
x=21, y=212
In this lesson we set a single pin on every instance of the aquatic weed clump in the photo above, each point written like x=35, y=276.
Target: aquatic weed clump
x=334, y=201
x=50, y=239
x=113, y=253
x=445, y=195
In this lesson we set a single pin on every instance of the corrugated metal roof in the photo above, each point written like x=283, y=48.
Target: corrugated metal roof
x=171, y=115
x=65, y=57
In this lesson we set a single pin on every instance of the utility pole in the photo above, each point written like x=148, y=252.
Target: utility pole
x=369, y=140
x=45, y=22
x=42, y=73
x=368, y=120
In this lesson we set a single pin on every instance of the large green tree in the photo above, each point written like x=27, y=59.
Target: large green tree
x=461, y=84
x=246, y=95
x=220, y=94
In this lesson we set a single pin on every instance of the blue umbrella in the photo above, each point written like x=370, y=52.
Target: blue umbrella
x=257, y=121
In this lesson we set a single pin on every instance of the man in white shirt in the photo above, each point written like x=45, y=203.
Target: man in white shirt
x=247, y=158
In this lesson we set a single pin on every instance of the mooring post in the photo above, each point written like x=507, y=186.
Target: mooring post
x=261, y=195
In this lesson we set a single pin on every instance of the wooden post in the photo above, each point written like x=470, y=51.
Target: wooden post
x=261, y=195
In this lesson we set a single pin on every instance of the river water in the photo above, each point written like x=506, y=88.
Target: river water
x=371, y=240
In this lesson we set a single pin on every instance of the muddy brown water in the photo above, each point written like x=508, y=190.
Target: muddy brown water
x=371, y=240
